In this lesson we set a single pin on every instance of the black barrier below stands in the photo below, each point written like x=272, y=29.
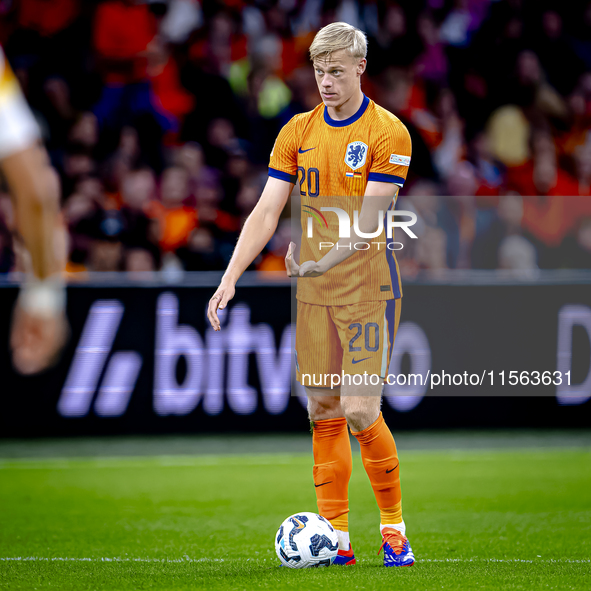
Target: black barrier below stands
x=142, y=359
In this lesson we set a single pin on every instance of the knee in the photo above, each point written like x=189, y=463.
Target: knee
x=360, y=414
x=324, y=407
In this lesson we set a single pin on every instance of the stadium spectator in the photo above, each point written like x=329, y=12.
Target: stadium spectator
x=248, y=195
x=84, y=131
x=507, y=222
x=221, y=141
x=122, y=53
x=47, y=19
x=534, y=94
x=554, y=51
x=399, y=95
x=164, y=74
x=77, y=163
x=139, y=262
x=392, y=44
x=176, y=219
x=201, y=252
x=274, y=258
x=582, y=159
x=190, y=157
x=516, y=253
x=489, y=171
x=208, y=199
x=432, y=64
x=44, y=36
x=576, y=248
x=449, y=149
x=431, y=249
x=457, y=215
x=140, y=230
x=105, y=255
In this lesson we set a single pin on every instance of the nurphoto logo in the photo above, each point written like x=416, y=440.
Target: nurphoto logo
x=389, y=221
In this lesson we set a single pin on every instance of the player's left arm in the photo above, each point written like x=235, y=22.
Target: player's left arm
x=376, y=201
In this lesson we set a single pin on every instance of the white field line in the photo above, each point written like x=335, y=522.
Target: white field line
x=187, y=559
x=104, y=559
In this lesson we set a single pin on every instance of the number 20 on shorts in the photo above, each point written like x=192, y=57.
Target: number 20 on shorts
x=367, y=330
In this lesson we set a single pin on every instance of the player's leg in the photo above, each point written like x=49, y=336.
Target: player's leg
x=361, y=406
x=318, y=352
x=332, y=464
x=332, y=455
x=377, y=323
x=380, y=460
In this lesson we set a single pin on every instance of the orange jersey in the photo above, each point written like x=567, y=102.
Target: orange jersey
x=333, y=162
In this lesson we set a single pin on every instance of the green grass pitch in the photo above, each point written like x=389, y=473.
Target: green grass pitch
x=513, y=518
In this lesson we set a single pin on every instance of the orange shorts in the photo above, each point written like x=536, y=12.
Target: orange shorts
x=353, y=339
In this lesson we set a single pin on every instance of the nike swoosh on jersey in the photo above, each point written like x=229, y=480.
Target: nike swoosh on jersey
x=360, y=360
x=300, y=151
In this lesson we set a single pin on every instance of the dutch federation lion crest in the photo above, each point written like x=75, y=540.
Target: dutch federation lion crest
x=355, y=155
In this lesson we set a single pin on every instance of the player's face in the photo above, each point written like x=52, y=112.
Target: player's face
x=338, y=77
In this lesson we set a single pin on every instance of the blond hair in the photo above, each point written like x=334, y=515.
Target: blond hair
x=338, y=36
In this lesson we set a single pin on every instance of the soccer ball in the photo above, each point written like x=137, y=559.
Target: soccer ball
x=305, y=540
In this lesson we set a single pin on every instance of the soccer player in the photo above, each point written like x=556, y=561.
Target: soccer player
x=351, y=154
x=39, y=326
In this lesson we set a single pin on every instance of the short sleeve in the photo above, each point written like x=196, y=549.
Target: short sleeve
x=391, y=157
x=283, y=164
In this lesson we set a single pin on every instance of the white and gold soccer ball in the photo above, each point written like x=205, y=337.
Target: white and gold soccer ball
x=306, y=540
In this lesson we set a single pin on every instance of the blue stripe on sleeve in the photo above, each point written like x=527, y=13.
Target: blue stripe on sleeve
x=284, y=176
x=380, y=177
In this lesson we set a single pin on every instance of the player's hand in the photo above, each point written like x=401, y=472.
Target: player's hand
x=224, y=293
x=310, y=269
x=36, y=341
x=291, y=266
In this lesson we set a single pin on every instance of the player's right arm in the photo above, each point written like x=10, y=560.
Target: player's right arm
x=262, y=222
x=257, y=231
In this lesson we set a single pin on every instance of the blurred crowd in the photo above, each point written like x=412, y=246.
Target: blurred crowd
x=159, y=117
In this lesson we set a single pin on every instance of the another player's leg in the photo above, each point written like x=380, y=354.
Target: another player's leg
x=332, y=464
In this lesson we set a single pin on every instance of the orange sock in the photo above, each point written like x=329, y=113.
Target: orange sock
x=332, y=470
x=380, y=459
